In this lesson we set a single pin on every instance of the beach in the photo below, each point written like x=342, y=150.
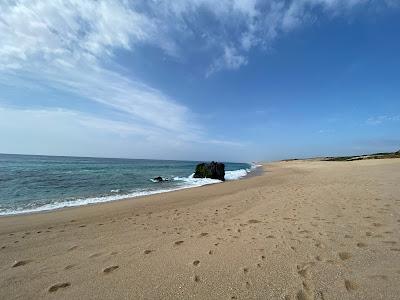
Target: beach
x=304, y=229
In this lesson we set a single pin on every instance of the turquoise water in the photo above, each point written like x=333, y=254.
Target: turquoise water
x=35, y=183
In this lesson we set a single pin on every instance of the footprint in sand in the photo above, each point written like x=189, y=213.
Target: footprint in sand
x=196, y=263
x=252, y=221
x=383, y=277
x=390, y=242
x=95, y=255
x=58, y=286
x=20, y=263
x=203, y=234
x=147, y=251
x=302, y=295
x=69, y=267
x=196, y=278
x=361, y=245
x=350, y=285
x=344, y=255
x=178, y=243
x=110, y=269
x=304, y=272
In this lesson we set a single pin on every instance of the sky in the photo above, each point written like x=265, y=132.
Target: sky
x=230, y=80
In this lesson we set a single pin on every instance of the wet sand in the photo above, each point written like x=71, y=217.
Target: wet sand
x=301, y=230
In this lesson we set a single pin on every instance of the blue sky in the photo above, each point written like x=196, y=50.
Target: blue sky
x=228, y=80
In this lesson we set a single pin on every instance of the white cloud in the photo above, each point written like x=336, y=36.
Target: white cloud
x=82, y=30
x=28, y=131
x=230, y=60
x=377, y=120
x=63, y=44
x=244, y=25
x=88, y=30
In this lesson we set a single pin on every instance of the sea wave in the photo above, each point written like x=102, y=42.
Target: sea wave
x=237, y=174
x=86, y=201
x=190, y=180
x=229, y=175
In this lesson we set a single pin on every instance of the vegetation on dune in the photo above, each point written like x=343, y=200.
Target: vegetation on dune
x=368, y=156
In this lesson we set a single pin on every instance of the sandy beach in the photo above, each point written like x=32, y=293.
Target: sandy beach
x=301, y=230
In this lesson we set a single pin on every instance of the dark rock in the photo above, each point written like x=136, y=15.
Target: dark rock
x=160, y=179
x=213, y=170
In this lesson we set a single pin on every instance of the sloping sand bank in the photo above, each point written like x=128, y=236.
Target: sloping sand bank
x=302, y=230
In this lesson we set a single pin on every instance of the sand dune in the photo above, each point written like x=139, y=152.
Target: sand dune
x=302, y=230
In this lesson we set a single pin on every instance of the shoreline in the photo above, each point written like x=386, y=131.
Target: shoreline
x=255, y=170
x=301, y=230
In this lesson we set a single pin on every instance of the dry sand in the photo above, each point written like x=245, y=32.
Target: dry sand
x=302, y=230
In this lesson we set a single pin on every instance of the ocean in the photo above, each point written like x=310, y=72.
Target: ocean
x=30, y=183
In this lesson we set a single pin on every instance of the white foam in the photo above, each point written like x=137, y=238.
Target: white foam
x=86, y=201
x=237, y=174
x=255, y=166
x=192, y=182
x=157, y=181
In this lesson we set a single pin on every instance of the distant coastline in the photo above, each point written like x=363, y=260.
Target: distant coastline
x=380, y=155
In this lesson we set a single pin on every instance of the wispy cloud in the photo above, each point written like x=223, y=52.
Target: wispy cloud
x=88, y=30
x=378, y=120
x=69, y=46
x=230, y=60
x=326, y=131
x=82, y=134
